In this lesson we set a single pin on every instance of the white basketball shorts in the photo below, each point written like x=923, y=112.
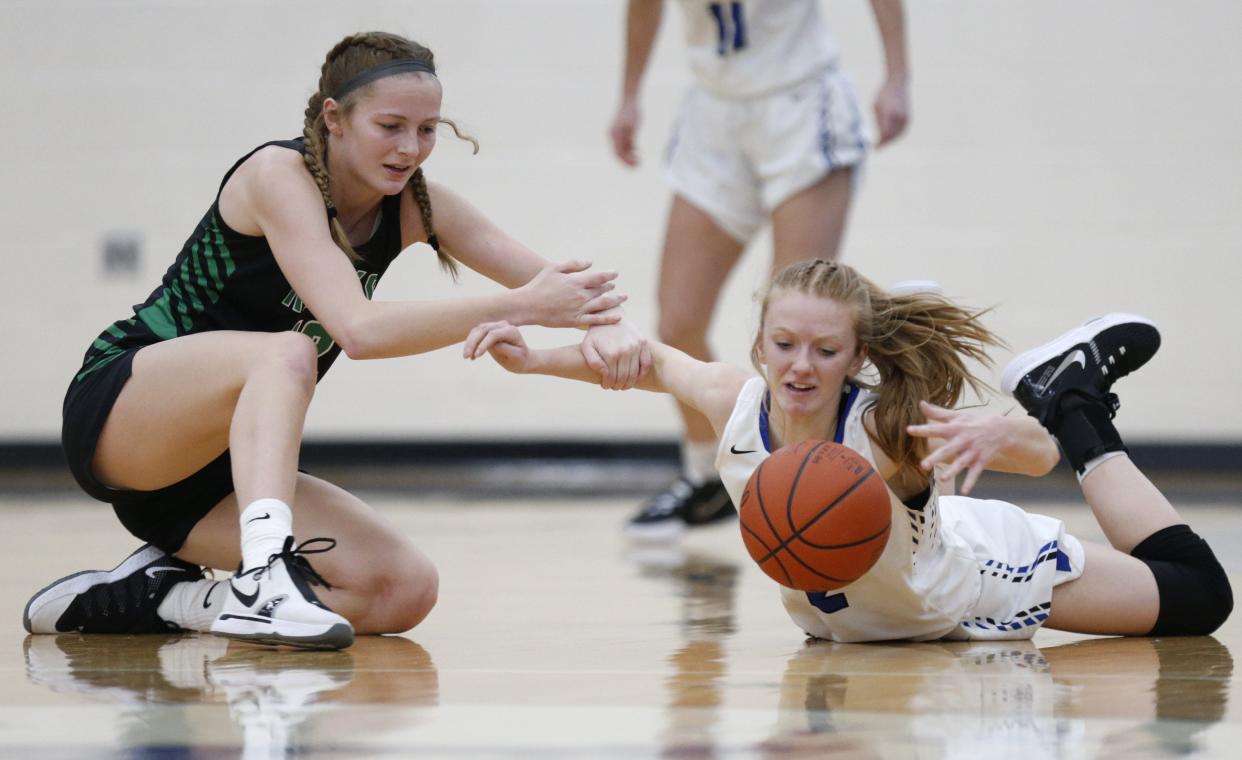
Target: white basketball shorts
x=737, y=160
x=1020, y=557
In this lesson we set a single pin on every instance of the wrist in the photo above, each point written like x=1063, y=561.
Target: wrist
x=517, y=309
x=536, y=359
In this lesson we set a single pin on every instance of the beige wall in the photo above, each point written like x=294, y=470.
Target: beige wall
x=1065, y=158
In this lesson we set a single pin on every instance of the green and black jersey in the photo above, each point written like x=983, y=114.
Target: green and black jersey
x=224, y=280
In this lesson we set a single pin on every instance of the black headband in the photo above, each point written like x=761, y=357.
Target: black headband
x=386, y=69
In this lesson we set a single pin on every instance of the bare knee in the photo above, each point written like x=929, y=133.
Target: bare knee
x=295, y=356
x=402, y=595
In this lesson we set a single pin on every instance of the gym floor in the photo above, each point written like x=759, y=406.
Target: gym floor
x=554, y=638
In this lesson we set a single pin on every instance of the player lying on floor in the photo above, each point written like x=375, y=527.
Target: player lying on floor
x=841, y=359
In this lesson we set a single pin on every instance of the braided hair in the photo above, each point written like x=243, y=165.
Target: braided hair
x=347, y=59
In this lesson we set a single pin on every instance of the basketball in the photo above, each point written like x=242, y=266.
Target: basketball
x=815, y=516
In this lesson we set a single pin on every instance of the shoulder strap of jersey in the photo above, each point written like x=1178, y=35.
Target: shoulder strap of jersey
x=294, y=144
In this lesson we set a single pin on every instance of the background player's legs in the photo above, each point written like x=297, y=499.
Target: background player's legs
x=698, y=256
x=811, y=223
x=380, y=582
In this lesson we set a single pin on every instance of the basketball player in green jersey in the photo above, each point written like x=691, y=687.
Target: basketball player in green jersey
x=187, y=417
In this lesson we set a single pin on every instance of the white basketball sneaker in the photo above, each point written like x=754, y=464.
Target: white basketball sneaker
x=276, y=604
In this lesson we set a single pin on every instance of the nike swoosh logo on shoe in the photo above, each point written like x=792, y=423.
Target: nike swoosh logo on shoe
x=207, y=596
x=151, y=571
x=1076, y=357
x=246, y=599
x=734, y=450
x=264, y=516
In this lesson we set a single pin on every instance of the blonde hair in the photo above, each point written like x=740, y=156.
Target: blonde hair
x=348, y=58
x=916, y=344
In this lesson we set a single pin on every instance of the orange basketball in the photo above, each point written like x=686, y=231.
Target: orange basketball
x=815, y=516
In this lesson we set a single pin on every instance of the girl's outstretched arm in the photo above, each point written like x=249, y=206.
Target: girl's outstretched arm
x=272, y=195
x=709, y=387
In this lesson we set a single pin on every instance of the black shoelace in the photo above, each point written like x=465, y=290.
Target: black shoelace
x=294, y=556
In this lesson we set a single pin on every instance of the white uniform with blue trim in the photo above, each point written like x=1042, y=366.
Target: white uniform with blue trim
x=770, y=112
x=955, y=568
x=756, y=47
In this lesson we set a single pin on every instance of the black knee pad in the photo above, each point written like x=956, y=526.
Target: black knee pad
x=1195, y=596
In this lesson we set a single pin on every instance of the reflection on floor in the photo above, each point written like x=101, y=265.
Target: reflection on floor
x=555, y=639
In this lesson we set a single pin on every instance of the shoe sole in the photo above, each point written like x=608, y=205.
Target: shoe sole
x=81, y=581
x=1025, y=362
x=300, y=635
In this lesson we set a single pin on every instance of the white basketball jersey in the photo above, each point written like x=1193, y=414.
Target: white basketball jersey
x=746, y=48
x=924, y=583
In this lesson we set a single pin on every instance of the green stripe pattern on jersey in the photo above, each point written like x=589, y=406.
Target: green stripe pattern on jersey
x=194, y=285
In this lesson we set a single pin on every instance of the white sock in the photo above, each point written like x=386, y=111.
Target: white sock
x=698, y=461
x=193, y=605
x=264, y=526
x=1101, y=459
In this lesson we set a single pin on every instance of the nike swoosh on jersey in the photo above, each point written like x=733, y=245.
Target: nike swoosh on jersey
x=151, y=571
x=246, y=599
x=734, y=450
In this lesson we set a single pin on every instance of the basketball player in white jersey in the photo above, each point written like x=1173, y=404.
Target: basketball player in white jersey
x=841, y=359
x=771, y=129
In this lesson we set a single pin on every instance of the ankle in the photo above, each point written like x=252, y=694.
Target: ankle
x=265, y=524
x=1085, y=431
x=192, y=605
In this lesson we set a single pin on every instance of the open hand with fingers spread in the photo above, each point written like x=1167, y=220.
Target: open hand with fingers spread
x=567, y=295
x=966, y=442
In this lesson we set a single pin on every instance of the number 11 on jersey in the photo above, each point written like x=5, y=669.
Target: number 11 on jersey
x=729, y=18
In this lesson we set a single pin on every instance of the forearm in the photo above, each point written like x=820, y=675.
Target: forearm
x=1026, y=448
x=891, y=21
x=711, y=388
x=642, y=22
x=385, y=329
x=568, y=362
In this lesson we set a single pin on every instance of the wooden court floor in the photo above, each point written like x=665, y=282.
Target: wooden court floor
x=553, y=638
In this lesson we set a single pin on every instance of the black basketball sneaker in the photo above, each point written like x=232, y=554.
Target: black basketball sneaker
x=121, y=600
x=1066, y=384
x=668, y=513
x=1084, y=362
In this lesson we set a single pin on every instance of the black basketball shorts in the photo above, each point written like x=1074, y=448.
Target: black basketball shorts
x=163, y=518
